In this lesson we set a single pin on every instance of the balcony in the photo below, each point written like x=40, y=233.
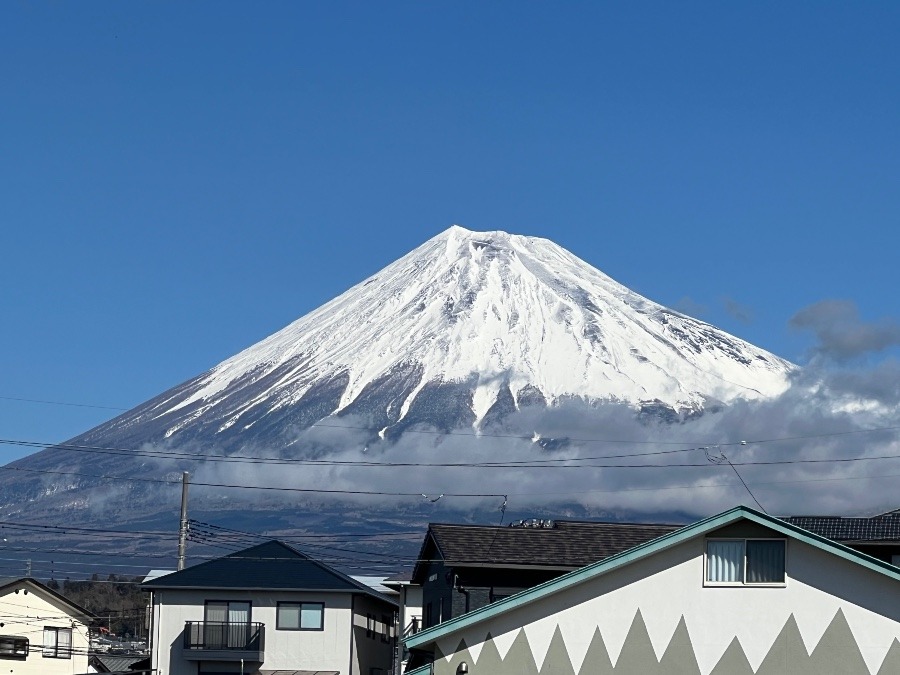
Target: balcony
x=216, y=641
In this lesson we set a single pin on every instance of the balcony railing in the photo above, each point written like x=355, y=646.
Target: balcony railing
x=224, y=641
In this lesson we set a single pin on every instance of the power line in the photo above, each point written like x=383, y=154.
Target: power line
x=249, y=459
x=162, y=453
x=162, y=481
x=555, y=462
x=74, y=405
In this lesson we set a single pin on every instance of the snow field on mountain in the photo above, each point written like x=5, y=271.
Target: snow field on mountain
x=490, y=310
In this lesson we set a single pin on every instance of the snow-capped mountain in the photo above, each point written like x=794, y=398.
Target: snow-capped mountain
x=461, y=333
x=466, y=327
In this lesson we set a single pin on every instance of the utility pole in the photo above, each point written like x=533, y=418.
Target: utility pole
x=28, y=568
x=183, y=530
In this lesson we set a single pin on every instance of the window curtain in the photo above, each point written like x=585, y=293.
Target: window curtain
x=289, y=616
x=725, y=561
x=765, y=562
x=216, y=612
x=49, y=642
x=238, y=612
x=64, y=637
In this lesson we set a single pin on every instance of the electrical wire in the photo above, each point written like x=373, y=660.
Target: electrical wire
x=174, y=454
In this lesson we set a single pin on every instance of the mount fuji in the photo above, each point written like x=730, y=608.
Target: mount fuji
x=467, y=328
x=463, y=328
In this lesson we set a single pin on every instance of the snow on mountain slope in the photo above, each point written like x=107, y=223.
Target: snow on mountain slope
x=471, y=320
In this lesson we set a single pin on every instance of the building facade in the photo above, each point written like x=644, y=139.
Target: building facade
x=265, y=609
x=41, y=633
x=741, y=593
x=462, y=568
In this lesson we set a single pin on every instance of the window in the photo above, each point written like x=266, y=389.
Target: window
x=300, y=616
x=226, y=624
x=13, y=647
x=227, y=611
x=745, y=561
x=57, y=643
x=370, y=625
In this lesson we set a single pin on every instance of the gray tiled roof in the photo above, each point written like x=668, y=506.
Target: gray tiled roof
x=568, y=544
x=273, y=565
x=878, y=528
x=117, y=663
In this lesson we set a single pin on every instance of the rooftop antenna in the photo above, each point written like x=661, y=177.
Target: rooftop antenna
x=718, y=457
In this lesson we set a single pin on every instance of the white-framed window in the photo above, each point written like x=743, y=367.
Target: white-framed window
x=745, y=562
x=300, y=616
x=57, y=643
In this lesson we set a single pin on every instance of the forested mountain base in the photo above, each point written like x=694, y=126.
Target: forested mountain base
x=118, y=602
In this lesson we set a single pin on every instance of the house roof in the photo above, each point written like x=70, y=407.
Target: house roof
x=878, y=528
x=566, y=545
x=113, y=664
x=77, y=610
x=376, y=583
x=403, y=577
x=273, y=565
x=669, y=540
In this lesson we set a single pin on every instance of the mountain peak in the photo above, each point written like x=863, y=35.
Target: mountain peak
x=467, y=324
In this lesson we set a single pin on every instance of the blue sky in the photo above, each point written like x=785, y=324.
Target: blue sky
x=180, y=180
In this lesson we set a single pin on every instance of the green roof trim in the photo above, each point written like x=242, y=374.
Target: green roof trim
x=699, y=528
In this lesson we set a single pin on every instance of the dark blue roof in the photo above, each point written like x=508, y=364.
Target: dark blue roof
x=885, y=527
x=270, y=566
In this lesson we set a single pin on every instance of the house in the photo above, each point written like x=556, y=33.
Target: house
x=41, y=632
x=465, y=567
x=738, y=593
x=266, y=609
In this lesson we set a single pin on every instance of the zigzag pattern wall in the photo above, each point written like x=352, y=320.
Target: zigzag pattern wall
x=837, y=652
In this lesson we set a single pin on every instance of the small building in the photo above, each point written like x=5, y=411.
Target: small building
x=41, y=632
x=740, y=593
x=465, y=567
x=266, y=609
x=410, y=622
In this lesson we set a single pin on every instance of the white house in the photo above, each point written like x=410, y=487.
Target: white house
x=741, y=593
x=41, y=632
x=266, y=609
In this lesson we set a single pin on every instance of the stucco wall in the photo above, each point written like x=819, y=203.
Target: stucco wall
x=328, y=649
x=25, y=614
x=656, y=616
x=376, y=651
